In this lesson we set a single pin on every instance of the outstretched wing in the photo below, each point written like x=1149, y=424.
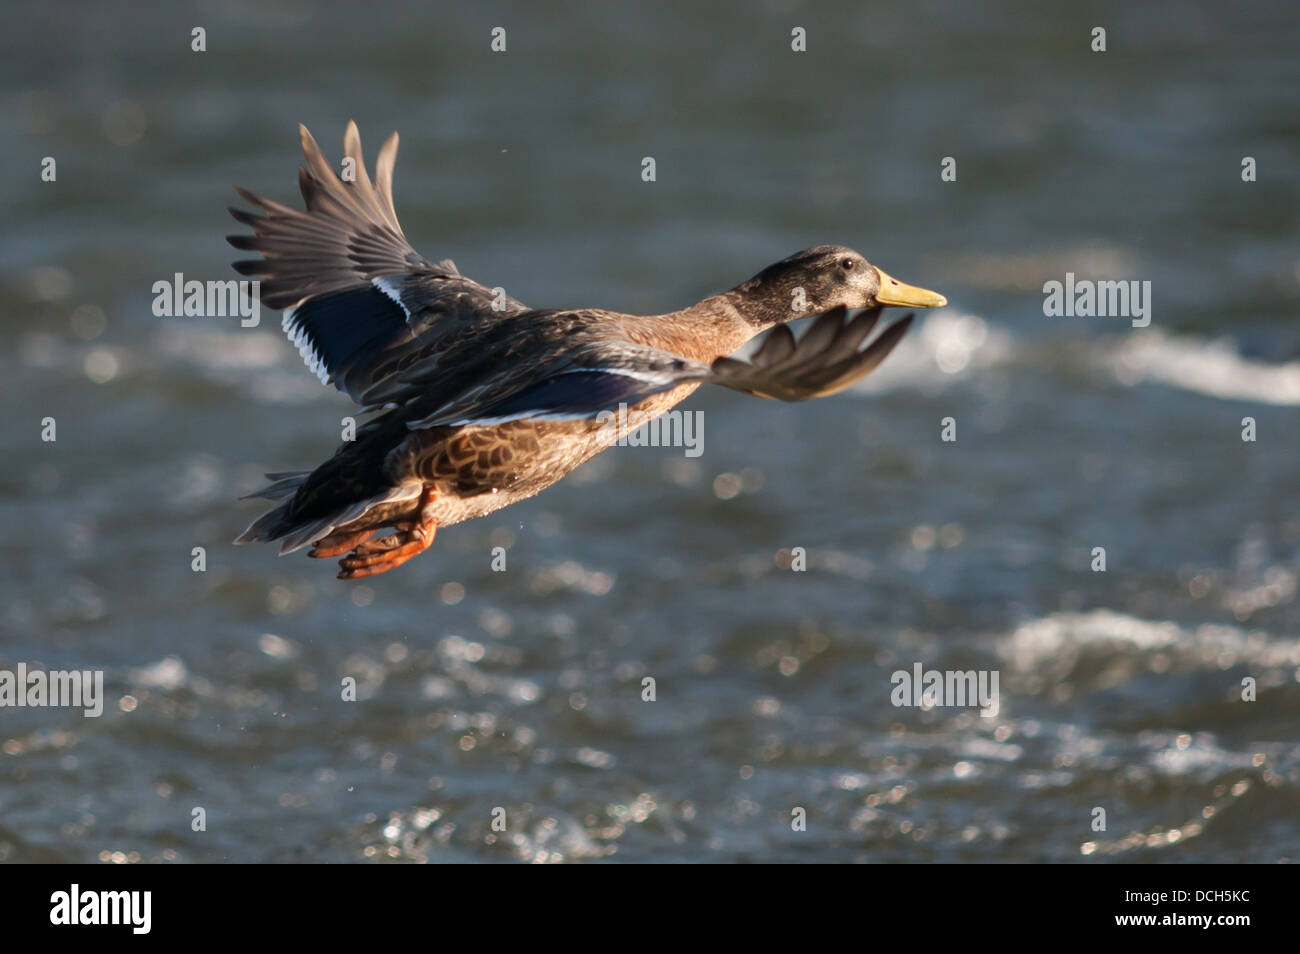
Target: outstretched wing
x=827, y=359
x=356, y=296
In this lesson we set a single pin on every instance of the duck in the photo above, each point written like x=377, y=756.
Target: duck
x=476, y=401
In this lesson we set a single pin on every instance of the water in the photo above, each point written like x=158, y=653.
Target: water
x=522, y=690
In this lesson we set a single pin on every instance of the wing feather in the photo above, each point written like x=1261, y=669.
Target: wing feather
x=357, y=297
x=825, y=361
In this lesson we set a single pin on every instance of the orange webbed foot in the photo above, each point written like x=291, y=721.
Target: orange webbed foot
x=372, y=557
x=323, y=550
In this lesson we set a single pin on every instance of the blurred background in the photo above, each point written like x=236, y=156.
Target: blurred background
x=522, y=689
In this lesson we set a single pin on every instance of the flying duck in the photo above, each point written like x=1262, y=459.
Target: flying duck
x=480, y=401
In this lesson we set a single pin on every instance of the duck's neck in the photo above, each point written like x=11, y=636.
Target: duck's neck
x=712, y=328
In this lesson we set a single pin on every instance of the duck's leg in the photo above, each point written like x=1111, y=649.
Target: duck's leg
x=411, y=539
x=336, y=545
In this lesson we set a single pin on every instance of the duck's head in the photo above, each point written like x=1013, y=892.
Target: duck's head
x=825, y=277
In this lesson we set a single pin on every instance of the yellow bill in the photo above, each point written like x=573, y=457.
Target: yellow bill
x=894, y=292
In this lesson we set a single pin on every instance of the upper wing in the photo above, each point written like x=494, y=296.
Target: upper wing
x=355, y=294
x=578, y=383
x=827, y=359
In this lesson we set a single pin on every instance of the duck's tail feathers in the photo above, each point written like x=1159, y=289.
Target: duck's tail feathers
x=294, y=531
x=286, y=482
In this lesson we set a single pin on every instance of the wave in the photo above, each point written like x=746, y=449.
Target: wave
x=950, y=345
x=1057, y=639
x=1212, y=368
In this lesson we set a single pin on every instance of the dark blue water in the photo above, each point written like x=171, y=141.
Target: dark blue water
x=522, y=690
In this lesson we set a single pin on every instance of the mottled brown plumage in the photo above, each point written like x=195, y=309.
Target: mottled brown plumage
x=481, y=401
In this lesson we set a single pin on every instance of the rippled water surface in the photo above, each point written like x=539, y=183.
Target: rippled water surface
x=523, y=690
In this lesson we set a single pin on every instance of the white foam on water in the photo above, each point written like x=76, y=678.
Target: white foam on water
x=1213, y=368
x=1050, y=638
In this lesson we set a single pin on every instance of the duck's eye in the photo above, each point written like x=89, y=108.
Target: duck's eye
x=847, y=264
